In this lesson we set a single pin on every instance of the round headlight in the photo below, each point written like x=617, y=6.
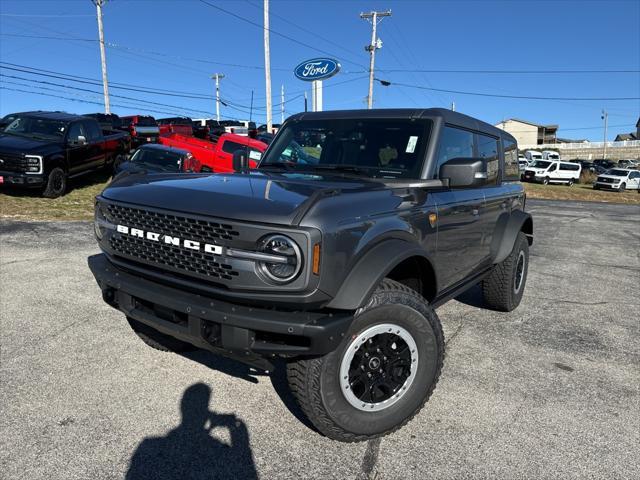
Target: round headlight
x=287, y=259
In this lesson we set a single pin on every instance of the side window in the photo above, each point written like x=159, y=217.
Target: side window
x=511, y=165
x=230, y=147
x=75, y=131
x=93, y=131
x=553, y=168
x=488, y=149
x=454, y=143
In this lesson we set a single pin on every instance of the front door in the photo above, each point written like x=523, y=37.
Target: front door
x=460, y=247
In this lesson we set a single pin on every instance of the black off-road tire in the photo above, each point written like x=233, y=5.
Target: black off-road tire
x=316, y=382
x=570, y=182
x=623, y=187
x=158, y=340
x=500, y=289
x=56, y=183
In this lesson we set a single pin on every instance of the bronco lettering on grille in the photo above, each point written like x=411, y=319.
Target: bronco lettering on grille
x=168, y=239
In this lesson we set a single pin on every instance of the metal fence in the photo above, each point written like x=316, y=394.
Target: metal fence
x=585, y=145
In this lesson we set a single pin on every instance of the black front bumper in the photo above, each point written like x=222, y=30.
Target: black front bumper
x=21, y=179
x=249, y=334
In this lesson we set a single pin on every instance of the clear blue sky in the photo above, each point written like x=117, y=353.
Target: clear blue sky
x=174, y=45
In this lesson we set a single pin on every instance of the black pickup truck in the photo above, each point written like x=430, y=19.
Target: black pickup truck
x=45, y=149
x=333, y=254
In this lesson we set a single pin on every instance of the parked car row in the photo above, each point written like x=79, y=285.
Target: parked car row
x=45, y=149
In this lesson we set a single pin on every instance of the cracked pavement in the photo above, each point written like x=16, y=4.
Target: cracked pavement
x=550, y=390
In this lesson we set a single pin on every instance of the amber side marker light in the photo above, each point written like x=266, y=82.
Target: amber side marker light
x=316, y=259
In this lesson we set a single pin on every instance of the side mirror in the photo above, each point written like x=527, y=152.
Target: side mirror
x=464, y=172
x=240, y=160
x=81, y=140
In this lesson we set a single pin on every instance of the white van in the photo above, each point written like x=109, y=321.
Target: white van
x=549, y=171
x=533, y=155
x=550, y=155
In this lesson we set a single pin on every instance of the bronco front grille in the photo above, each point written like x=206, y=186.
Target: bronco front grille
x=163, y=254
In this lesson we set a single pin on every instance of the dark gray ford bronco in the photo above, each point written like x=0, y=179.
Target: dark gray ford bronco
x=332, y=254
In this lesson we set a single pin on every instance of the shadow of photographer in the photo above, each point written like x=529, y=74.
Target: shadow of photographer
x=190, y=451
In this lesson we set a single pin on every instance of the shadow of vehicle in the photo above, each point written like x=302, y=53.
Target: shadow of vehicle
x=190, y=451
x=472, y=297
x=88, y=180
x=225, y=365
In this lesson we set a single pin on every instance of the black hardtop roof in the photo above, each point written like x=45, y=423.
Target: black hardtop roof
x=64, y=116
x=164, y=148
x=448, y=116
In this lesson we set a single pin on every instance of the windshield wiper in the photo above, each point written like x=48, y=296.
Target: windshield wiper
x=278, y=165
x=340, y=168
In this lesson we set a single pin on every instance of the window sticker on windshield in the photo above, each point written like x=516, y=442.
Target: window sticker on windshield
x=253, y=155
x=411, y=144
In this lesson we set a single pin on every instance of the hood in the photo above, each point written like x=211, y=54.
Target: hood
x=612, y=177
x=279, y=198
x=17, y=145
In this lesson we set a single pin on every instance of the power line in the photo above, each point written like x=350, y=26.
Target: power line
x=92, y=96
x=387, y=83
x=74, y=77
x=139, y=88
x=75, y=99
x=44, y=82
x=261, y=27
x=507, y=72
x=306, y=30
x=43, y=16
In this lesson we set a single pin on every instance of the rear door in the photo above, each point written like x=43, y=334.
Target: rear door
x=96, y=153
x=460, y=226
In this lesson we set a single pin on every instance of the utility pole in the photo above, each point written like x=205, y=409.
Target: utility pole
x=453, y=106
x=605, y=117
x=281, y=104
x=375, y=18
x=267, y=65
x=103, y=57
x=217, y=77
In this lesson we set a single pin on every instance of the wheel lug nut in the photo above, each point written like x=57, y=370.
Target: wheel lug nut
x=369, y=375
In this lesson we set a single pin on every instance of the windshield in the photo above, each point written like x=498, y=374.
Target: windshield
x=158, y=159
x=541, y=164
x=377, y=148
x=36, y=127
x=145, y=121
x=617, y=173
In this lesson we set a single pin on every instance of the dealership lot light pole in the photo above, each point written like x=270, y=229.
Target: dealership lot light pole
x=267, y=65
x=103, y=57
x=217, y=77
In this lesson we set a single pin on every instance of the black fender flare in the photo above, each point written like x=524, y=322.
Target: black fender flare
x=506, y=231
x=371, y=269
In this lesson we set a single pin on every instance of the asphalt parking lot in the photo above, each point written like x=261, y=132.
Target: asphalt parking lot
x=548, y=391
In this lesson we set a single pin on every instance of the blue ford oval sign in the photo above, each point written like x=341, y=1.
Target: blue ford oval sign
x=317, y=69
